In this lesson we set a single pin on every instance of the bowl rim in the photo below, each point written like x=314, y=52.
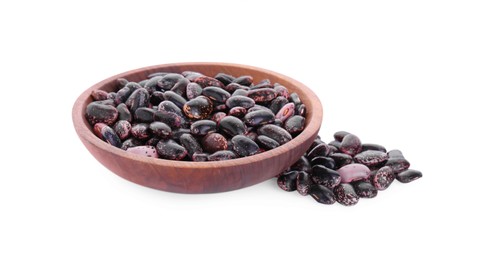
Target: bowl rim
x=313, y=124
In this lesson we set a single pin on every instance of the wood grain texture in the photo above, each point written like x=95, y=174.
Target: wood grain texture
x=200, y=177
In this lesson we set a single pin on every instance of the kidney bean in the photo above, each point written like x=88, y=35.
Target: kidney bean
x=303, y=183
x=169, y=149
x=408, y=176
x=277, y=104
x=350, y=145
x=244, y=146
x=302, y=164
x=364, y=189
x=214, y=142
x=168, y=80
x=171, y=119
x=285, y=112
x=123, y=129
x=205, y=81
x=232, y=126
x=198, y=108
x=144, y=115
x=258, y=118
x=325, y=161
x=345, y=194
x=203, y=127
x=287, y=181
x=146, y=150
x=97, y=113
x=322, y=194
x=238, y=112
x=382, y=178
x=266, y=142
x=240, y=101
x=370, y=157
x=222, y=156
x=99, y=95
x=193, y=90
x=224, y=78
x=262, y=94
x=160, y=129
x=245, y=80
x=373, y=147
x=275, y=132
x=108, y=134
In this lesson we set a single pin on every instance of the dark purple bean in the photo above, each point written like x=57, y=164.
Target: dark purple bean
x=321, y=149
x=266, y=142
x=373, y=147
x=144, y=115
x=316, y=142
x=193, y=90
x=259, y=117
x=140, y=131
x=131, y=142
x=153, y=141
x=169, y=149
x=335, y=144
x=364, y=189
x=287, y=181
x=123, y=129
x=216, y=117
x=240, y=92
x=345, y=194
x=171, y=119
x=238, y=112
x=382, y=178
x=216, y=94
x=398, y=164
x=198, y=108
x=244, y=146
x=333, y=149
x=232, y=126
x=205, y=81
x=302, y=164
x=139, y=98
x=322, y=194
x=325, y=161
x=97, y=113
x=262, y=94
x=277, y=104
x=175, y=98
x=341, y=159
x=300, y=110
x=339, y=135
x=222, y=156
x=169, y=106
x=245, y=80
x=294, y=97
x=408, y=176
x=157, y=74
x=99, y=95
x=277, y=122
x=252, y=135
x=200, y=157
x=168, y=81
x=160, y=129
x=191, y=75
x=257, y=108
x=395, y=154
x=224, y=78
x=303, y=183
x=133, y=86
x=180, y=87
x=282, y=91
x=177, y=133
x=350, y=145
x=214, y=142
x=156, y=98
x=325, y=176
x=233, y=87
x=152, y=84
x=107, y=102
x=265, y=83
x=240, y=101
x=122, y=95
x=107, y=134
x=190, y=144
x=111, y=96
x=371, y=157
x=121, y=82
x=203, y=127
x=275, y=132
x=295, y=124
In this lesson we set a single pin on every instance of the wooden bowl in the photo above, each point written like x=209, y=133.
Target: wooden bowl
x=199, y=177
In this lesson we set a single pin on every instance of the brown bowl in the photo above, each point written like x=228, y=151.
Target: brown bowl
x=199, y=177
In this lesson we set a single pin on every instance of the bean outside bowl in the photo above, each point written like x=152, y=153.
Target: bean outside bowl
x=199, y=177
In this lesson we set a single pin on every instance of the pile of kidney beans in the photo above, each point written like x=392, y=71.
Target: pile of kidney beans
x=345, y=170
x=194, y=117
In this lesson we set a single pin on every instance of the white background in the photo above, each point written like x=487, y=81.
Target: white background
x=406, y=74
